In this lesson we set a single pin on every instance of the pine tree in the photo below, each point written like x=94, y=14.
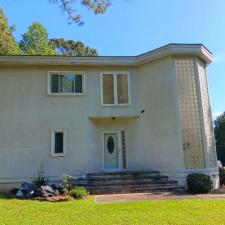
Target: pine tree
x=35, y=41
x=71, y=48
x=8, y=45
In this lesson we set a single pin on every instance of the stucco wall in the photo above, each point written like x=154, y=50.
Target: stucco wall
x=28, y=115
x=155, y=138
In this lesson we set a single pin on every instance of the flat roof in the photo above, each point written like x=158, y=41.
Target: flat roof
x=173, y=49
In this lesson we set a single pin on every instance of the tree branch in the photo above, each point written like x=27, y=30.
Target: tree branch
x=67, y=6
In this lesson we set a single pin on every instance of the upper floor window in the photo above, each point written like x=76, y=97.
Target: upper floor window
x=115, y=89
x=65, y=83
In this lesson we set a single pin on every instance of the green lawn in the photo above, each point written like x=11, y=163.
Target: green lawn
x=166, y=212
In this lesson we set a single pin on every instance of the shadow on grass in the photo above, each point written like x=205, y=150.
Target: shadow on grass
x=4, y=196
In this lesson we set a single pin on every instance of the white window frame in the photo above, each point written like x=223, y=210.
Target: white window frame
x=115, y=88
x=53, y=154
x=49, y=92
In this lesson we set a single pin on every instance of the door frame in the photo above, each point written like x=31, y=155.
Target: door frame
x=118, y=132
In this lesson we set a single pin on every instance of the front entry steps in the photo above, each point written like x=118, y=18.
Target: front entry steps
x=127, y=182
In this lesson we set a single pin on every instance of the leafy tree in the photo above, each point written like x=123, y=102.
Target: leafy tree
x=35, y=41
x=219, y=130
x=96, y=6
x=8, y=45
x=71, y=47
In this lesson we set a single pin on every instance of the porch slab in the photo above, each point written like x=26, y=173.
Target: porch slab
x=153, y=196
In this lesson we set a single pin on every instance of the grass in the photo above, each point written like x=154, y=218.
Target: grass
x=86, y=212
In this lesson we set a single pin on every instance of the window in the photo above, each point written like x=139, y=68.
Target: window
x=108, y=89
x=65, y=83
x=115, y=89
x=58, y=147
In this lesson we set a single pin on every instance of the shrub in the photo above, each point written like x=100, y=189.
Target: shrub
x=78, y=193
x=40, y=179
x=222, y=175
x=66, y=183
x=199, y=183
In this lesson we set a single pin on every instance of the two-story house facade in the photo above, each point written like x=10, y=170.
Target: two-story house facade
x=97, y=114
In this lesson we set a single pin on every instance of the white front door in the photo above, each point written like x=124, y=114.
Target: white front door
x=111, y=151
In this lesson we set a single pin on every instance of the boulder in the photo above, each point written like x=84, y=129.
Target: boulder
x=46, y=191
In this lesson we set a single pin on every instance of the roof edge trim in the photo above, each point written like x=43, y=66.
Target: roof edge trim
x=168, y=50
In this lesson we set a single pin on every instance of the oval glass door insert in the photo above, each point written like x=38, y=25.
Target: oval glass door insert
x=110, y=145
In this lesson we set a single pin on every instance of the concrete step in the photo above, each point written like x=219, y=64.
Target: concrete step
x=142, y=180
x=136, y=190
x=123, y=174
x=131, y=185
x=126, y=182
x=125, y=177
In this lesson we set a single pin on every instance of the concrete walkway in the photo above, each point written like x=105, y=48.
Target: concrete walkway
x=153, y=196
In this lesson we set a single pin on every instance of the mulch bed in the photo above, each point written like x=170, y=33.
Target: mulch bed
x=59, y=198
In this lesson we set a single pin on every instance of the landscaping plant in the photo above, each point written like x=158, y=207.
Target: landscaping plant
x=222, y=175
x=40, y=179
x=79, y=193
x=199, y=183
x=66, y=183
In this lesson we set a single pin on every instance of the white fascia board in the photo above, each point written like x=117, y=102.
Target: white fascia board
x=168, y=50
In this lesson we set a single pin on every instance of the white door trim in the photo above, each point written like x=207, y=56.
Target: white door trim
x=118, y=132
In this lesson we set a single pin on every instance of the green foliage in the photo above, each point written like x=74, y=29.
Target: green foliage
x=8, y=45
x=199, y=183
x=222, y=175
x=3, y=196
x=78, y=193
x=35, y=41
x=40, y=179
x=71, y=47
x=67, y=183
x=219, y=131
x=96, y=6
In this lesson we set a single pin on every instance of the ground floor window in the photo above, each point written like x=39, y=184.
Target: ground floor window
x=58, y=145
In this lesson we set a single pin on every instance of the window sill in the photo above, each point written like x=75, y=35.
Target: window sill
x=57, y=155
x=115, y=105
x=66, y=94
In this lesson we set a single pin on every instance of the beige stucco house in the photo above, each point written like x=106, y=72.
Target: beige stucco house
x=97, y=114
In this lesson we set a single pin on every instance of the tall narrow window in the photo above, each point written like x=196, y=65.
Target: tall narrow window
x=65, y=83
x=58, y=143
x=115, y=89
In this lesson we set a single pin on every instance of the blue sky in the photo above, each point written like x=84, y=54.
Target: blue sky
x=131, y=27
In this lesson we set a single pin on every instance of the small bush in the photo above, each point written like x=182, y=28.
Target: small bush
x=222, y=175
x=40, y=179
x=66, y=183
x=78, y=193
x=199, y=183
